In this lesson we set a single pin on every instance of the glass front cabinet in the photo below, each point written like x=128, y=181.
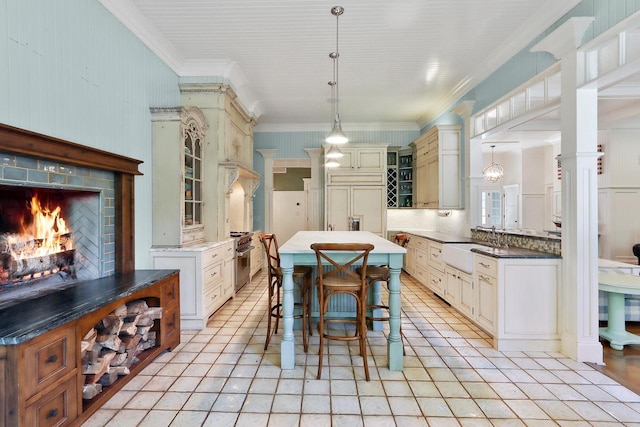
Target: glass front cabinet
x=178, y=154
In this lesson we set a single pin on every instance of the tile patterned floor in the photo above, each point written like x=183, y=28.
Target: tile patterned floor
x=221, y=376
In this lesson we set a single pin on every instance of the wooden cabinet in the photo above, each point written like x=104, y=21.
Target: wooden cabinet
x=365, y=204
x=355, y=192
x=257, y=254
x=206, y=278
x=178, y=186
x=41, y=378
x=437, y=178
x=487, y=293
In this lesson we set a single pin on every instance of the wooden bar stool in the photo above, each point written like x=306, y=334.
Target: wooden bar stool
x=382, y=274
x=339, y=279
x=302, y=280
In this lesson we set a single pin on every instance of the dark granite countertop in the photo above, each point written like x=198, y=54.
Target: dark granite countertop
x=438, y=236
x=28, y=319
x=513, y=253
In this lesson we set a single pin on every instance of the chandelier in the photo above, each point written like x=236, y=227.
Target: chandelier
x=336, y=136
x=494, y=171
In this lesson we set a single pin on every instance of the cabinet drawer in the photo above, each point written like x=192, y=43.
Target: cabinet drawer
x=212, y=299
x=435, y=256
x=435, y=281
x=171, y=290
x=485, y=265
x=217, y=254
x=422, y=275
x=422, y=259
x=54, y=408
x=170, y=325
x=48, y=359
x=212, y=275
x=420, y=243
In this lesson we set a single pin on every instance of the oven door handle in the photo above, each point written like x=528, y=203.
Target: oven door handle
x=245, y=252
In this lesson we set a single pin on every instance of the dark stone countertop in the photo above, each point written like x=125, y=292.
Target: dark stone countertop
x=28, y=319
x=513, y=253
x=510, y=252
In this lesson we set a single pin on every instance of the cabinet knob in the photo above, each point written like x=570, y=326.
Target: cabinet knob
x=52, y=413
x=51, y=359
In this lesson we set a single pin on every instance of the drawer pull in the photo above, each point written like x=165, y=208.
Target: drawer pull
x=52, y=413
x=214, y=255
x=214, y=274
x=51, y=359
x=435, y=255
x=483, y=278
x=484, y=265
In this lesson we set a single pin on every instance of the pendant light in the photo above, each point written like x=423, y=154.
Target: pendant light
x=494, y=171
x=336, y=136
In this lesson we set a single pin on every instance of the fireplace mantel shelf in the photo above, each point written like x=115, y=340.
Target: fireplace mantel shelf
x=29, y=319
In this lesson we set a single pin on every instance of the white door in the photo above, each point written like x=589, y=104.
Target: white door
x=368, y=204
x=511, y=206
x=289, y=214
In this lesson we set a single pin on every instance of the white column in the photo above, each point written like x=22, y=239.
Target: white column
x=473, y=156
x=579, y=112
x=267, y=155
x=314, y=200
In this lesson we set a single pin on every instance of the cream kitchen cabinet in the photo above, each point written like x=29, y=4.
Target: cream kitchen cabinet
x=177, y=169
x=437, y=178
x=206, y=278
x=523, y=295
x=459, y=290
x=257, y=254
x=361, y=204
x=366, y=158
x=436, y=268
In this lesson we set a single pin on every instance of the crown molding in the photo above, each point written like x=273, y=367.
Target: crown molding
x=129, y=15
x=348, y=127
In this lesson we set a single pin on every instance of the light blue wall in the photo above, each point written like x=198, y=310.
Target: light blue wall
x=69, y=69
x=291, y=145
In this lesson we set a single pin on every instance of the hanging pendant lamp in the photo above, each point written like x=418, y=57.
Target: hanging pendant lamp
x=494, y=171
x=336, y=136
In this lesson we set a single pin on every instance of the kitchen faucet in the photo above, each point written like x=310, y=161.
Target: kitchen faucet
x=494, y=238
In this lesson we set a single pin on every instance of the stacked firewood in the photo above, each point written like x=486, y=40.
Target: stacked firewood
x=111, y=347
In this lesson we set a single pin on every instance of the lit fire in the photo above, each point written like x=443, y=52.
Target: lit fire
x=40, y=238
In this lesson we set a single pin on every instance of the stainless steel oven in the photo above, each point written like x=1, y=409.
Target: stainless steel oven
x=243, y=257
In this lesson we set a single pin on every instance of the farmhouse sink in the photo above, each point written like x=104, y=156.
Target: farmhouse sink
x=459, y=255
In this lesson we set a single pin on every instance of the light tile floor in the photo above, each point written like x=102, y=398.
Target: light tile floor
x=221, y=376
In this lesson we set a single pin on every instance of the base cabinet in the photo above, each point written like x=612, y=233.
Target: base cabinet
x=206, y=278
x=257, y=254
x=41, y=380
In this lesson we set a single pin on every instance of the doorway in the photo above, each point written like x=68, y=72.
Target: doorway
x=290, y=201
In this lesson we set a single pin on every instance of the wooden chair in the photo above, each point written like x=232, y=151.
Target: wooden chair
x=302, y=280
x=381, y=274
x=339, y=279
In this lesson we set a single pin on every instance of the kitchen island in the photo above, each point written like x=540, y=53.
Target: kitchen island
x=297, y=251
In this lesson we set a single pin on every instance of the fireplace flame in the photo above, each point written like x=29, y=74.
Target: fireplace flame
x=46, y=233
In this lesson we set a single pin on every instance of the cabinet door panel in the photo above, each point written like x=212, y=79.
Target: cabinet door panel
x=338, y=201
x=368, y=204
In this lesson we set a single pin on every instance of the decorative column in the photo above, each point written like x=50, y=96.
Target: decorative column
x=472, y=166
x=314, y=199
x=579, y=111
x=267, y=155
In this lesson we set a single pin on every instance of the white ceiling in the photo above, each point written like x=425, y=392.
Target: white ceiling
x=401, y=63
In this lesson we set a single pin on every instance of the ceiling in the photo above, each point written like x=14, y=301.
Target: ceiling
x=401, y=63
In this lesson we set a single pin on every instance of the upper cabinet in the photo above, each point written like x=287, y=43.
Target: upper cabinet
x=178, y=155
x=364, y=164
x=437, y=178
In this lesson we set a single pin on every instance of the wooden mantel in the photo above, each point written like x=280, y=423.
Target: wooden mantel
x=23, y=142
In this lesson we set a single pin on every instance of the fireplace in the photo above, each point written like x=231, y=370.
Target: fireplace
x=90, y=191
